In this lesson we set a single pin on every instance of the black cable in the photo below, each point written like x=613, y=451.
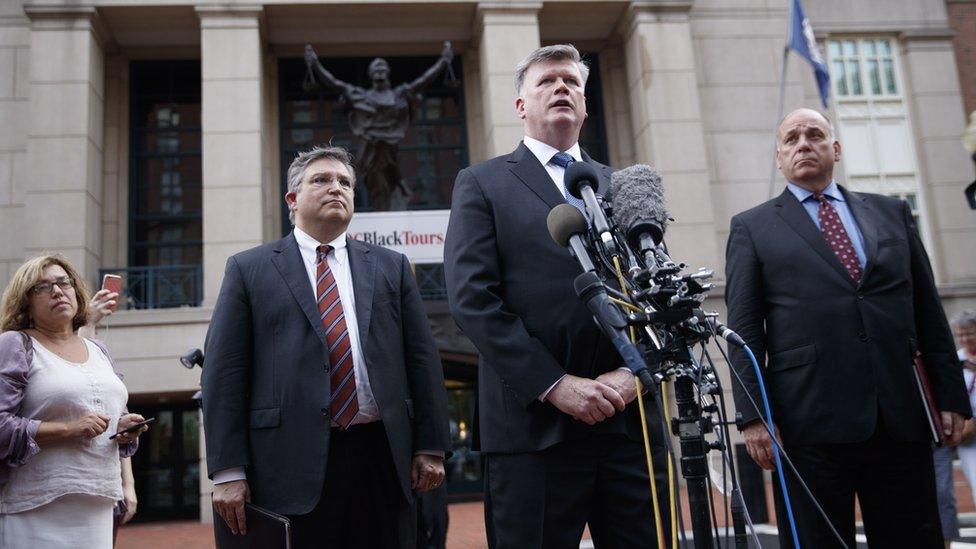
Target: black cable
x=708, y=478
x=728, y=461
x=727, y=464
x=704, y=358
x=786, y=458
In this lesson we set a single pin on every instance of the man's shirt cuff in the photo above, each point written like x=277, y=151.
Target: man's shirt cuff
x=545, y=394
x=229, y=475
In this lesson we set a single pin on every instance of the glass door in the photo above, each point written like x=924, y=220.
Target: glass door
x=167, y=466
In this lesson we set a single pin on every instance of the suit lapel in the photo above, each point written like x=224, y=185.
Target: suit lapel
x=533, y=175
x=291, y=267
x=864, y=217
x=793, y=213
x=361, y=267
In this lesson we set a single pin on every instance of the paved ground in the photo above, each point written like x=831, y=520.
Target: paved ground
x=467, y=528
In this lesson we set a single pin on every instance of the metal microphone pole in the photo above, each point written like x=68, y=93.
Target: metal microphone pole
x=693, y=465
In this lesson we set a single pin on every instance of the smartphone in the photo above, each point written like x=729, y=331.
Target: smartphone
x=133, y=428
x=112, y=283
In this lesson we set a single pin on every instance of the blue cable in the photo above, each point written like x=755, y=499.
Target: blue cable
x=779, y=464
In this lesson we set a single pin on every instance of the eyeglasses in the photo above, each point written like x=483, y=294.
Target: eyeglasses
x=65, y=284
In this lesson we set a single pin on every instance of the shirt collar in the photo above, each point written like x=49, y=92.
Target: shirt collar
x=544, y=152
x=308, y=245
x=832, y=191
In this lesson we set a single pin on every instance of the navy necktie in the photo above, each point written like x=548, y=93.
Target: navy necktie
x=562, y=160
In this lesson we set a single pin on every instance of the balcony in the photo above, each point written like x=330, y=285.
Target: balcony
x=158, y=287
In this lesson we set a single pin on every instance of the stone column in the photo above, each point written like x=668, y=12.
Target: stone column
x=231, y=118
x=505, y=33
x=63, y=195
x=667, y=122
x=935, y=103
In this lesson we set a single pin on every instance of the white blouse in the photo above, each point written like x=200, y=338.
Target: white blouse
x=58, y=390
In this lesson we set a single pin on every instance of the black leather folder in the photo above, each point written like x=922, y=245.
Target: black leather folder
x=265, y=530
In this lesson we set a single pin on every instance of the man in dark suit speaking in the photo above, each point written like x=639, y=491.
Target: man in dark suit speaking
x=556, y=422
x=323, y=394
x=835, y=288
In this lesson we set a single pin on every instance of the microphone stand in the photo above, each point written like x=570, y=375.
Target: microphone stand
x=688, y=426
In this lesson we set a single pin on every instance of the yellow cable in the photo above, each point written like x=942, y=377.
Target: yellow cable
x=625, y=305
x=643, y=418
x=665, y=403
x=650, y=465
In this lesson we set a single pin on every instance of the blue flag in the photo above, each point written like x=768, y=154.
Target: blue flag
x=802, y=41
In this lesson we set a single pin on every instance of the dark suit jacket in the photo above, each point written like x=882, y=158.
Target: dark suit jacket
x=838, y=352
x=510, y=288
x=266, y=385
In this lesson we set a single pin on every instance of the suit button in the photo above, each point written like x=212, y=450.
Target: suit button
x=326, y=367
x=325, y=412
x=863, y=336
x=860, y=295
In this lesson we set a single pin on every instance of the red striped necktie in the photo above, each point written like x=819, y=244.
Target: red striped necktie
x=344, y=404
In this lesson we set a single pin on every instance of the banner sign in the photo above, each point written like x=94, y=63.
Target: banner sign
x=417, y=234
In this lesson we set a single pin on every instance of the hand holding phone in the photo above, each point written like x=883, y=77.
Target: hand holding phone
x=112, y=283
x=133, y=428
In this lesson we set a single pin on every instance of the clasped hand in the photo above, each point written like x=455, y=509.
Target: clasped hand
x=594, y=400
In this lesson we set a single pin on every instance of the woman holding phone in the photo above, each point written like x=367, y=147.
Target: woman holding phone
x=60, y=402
x=103, y=304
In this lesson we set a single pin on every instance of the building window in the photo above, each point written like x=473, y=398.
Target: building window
x=430, y=280
x=165, y=177
x=863, y=66
x=872, y=120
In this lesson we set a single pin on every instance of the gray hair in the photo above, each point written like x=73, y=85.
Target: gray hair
x=296, y=171
x=558, y=52
x=964, y=319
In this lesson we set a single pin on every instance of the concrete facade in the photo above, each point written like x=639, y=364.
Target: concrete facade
x=690, y=87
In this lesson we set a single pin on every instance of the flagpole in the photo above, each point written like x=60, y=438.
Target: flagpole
x=779, y=116
x=782, y=97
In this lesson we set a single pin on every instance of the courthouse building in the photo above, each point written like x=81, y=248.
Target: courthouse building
x=151, y=139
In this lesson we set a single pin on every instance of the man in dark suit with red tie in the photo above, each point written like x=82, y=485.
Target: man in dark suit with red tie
x=833, y=288
x=323, y=393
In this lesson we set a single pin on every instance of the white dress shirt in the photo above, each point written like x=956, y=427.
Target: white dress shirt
x=545, y=152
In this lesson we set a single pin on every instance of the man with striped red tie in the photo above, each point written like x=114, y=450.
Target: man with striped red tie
x=323, y=392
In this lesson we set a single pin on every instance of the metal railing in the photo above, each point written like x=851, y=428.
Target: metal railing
x=158, y=287
x=430, y=279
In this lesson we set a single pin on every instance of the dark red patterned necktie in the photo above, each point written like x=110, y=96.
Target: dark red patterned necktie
x=344, y=404
x=837, y=238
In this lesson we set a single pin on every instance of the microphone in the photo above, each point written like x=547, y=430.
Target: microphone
x=638, y=206
x=727, y=334
x=581, y=179
x=566, y=226
x=590, y=289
